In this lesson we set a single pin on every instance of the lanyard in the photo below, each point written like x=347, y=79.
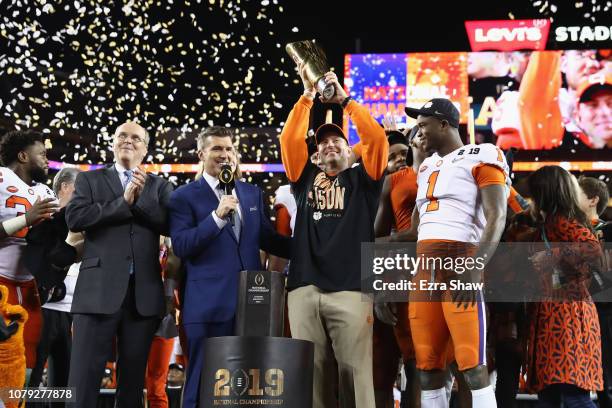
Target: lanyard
x=543, y=233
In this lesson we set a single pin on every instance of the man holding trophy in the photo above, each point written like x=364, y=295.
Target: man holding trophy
x=325, y=302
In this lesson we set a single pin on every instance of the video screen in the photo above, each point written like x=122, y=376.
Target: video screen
x=529, y=100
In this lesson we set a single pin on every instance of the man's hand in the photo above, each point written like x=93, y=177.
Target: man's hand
x=41, y=210
x=386, y=312
x=139, y=178
x=310, y=90
x=389, y=122
x=135, y=186
x=227, y=204
x=339, y=95
x=467, y=297
x=130, y=193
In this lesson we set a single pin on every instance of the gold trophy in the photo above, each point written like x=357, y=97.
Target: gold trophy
x=316, y=64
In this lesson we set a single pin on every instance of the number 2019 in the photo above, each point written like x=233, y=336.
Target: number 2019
x=274, y=382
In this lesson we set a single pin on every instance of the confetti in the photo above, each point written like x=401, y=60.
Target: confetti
x=77, y=69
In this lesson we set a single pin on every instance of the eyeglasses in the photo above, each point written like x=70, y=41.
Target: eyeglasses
x=122, y=137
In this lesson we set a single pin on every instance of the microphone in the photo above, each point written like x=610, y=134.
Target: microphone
x=226, y=180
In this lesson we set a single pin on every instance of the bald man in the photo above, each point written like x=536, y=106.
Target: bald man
x=119, y=293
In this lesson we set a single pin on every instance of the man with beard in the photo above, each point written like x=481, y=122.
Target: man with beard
x=460, y=213
x=24, y=201
x=336, y=209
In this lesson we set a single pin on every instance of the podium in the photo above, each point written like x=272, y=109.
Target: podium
x=261, y=372
x=258, y=367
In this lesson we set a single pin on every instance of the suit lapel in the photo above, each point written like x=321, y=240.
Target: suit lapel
x=112, y=178
x=207, y=190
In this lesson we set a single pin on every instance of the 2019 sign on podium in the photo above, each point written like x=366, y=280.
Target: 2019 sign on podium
x=257, y=367
x=258, y=372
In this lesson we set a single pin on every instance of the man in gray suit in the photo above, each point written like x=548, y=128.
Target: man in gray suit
x=119, y=292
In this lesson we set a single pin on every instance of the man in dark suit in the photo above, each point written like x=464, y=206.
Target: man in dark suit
x=119, y=292
x=216, y=235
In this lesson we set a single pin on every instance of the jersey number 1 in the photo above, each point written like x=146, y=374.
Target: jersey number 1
x=431, y=184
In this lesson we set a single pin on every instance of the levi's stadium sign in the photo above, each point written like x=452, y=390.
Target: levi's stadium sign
x=513, y=35
x=508, y=35
x=583, y=34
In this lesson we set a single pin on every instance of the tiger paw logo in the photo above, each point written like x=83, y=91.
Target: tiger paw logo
x=317, y=215
x=322, y=181
x=328, y=194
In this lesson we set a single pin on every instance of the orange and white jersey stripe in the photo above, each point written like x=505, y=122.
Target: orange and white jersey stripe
x=448, y=197
x=16, y=197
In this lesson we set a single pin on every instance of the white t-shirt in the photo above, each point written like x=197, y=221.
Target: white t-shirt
x=286, y=199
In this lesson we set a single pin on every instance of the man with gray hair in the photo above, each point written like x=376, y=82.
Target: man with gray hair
x=119, y=293
x=63, y=184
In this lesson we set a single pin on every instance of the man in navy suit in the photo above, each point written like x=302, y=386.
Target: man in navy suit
x=217, y=236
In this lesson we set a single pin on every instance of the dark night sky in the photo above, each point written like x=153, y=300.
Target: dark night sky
x=101, y=63
x=394, y=26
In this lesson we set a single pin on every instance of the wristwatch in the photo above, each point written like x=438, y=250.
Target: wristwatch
x=346, y=101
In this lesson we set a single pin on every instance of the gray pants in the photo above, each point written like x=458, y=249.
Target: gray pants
x=340, y=325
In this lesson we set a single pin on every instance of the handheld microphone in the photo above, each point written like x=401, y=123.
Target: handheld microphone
x=226, y=180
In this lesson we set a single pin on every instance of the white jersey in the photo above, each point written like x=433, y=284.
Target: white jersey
x=16, y=197
x=285, y=198
x=448, y=197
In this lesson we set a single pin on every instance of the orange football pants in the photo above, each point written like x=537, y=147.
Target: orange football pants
x=437, y=322
x=157, y=371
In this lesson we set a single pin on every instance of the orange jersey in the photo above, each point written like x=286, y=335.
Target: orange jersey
x=403, y=196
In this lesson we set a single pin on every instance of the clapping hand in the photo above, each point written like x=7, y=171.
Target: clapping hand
x=135, y=186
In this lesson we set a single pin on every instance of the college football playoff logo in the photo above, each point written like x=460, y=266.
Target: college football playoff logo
x=259, y=279
x=240, y=382
x=227, y=175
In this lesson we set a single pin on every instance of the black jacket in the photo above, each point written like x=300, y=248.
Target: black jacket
x=47, y=256
x=117, y=235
